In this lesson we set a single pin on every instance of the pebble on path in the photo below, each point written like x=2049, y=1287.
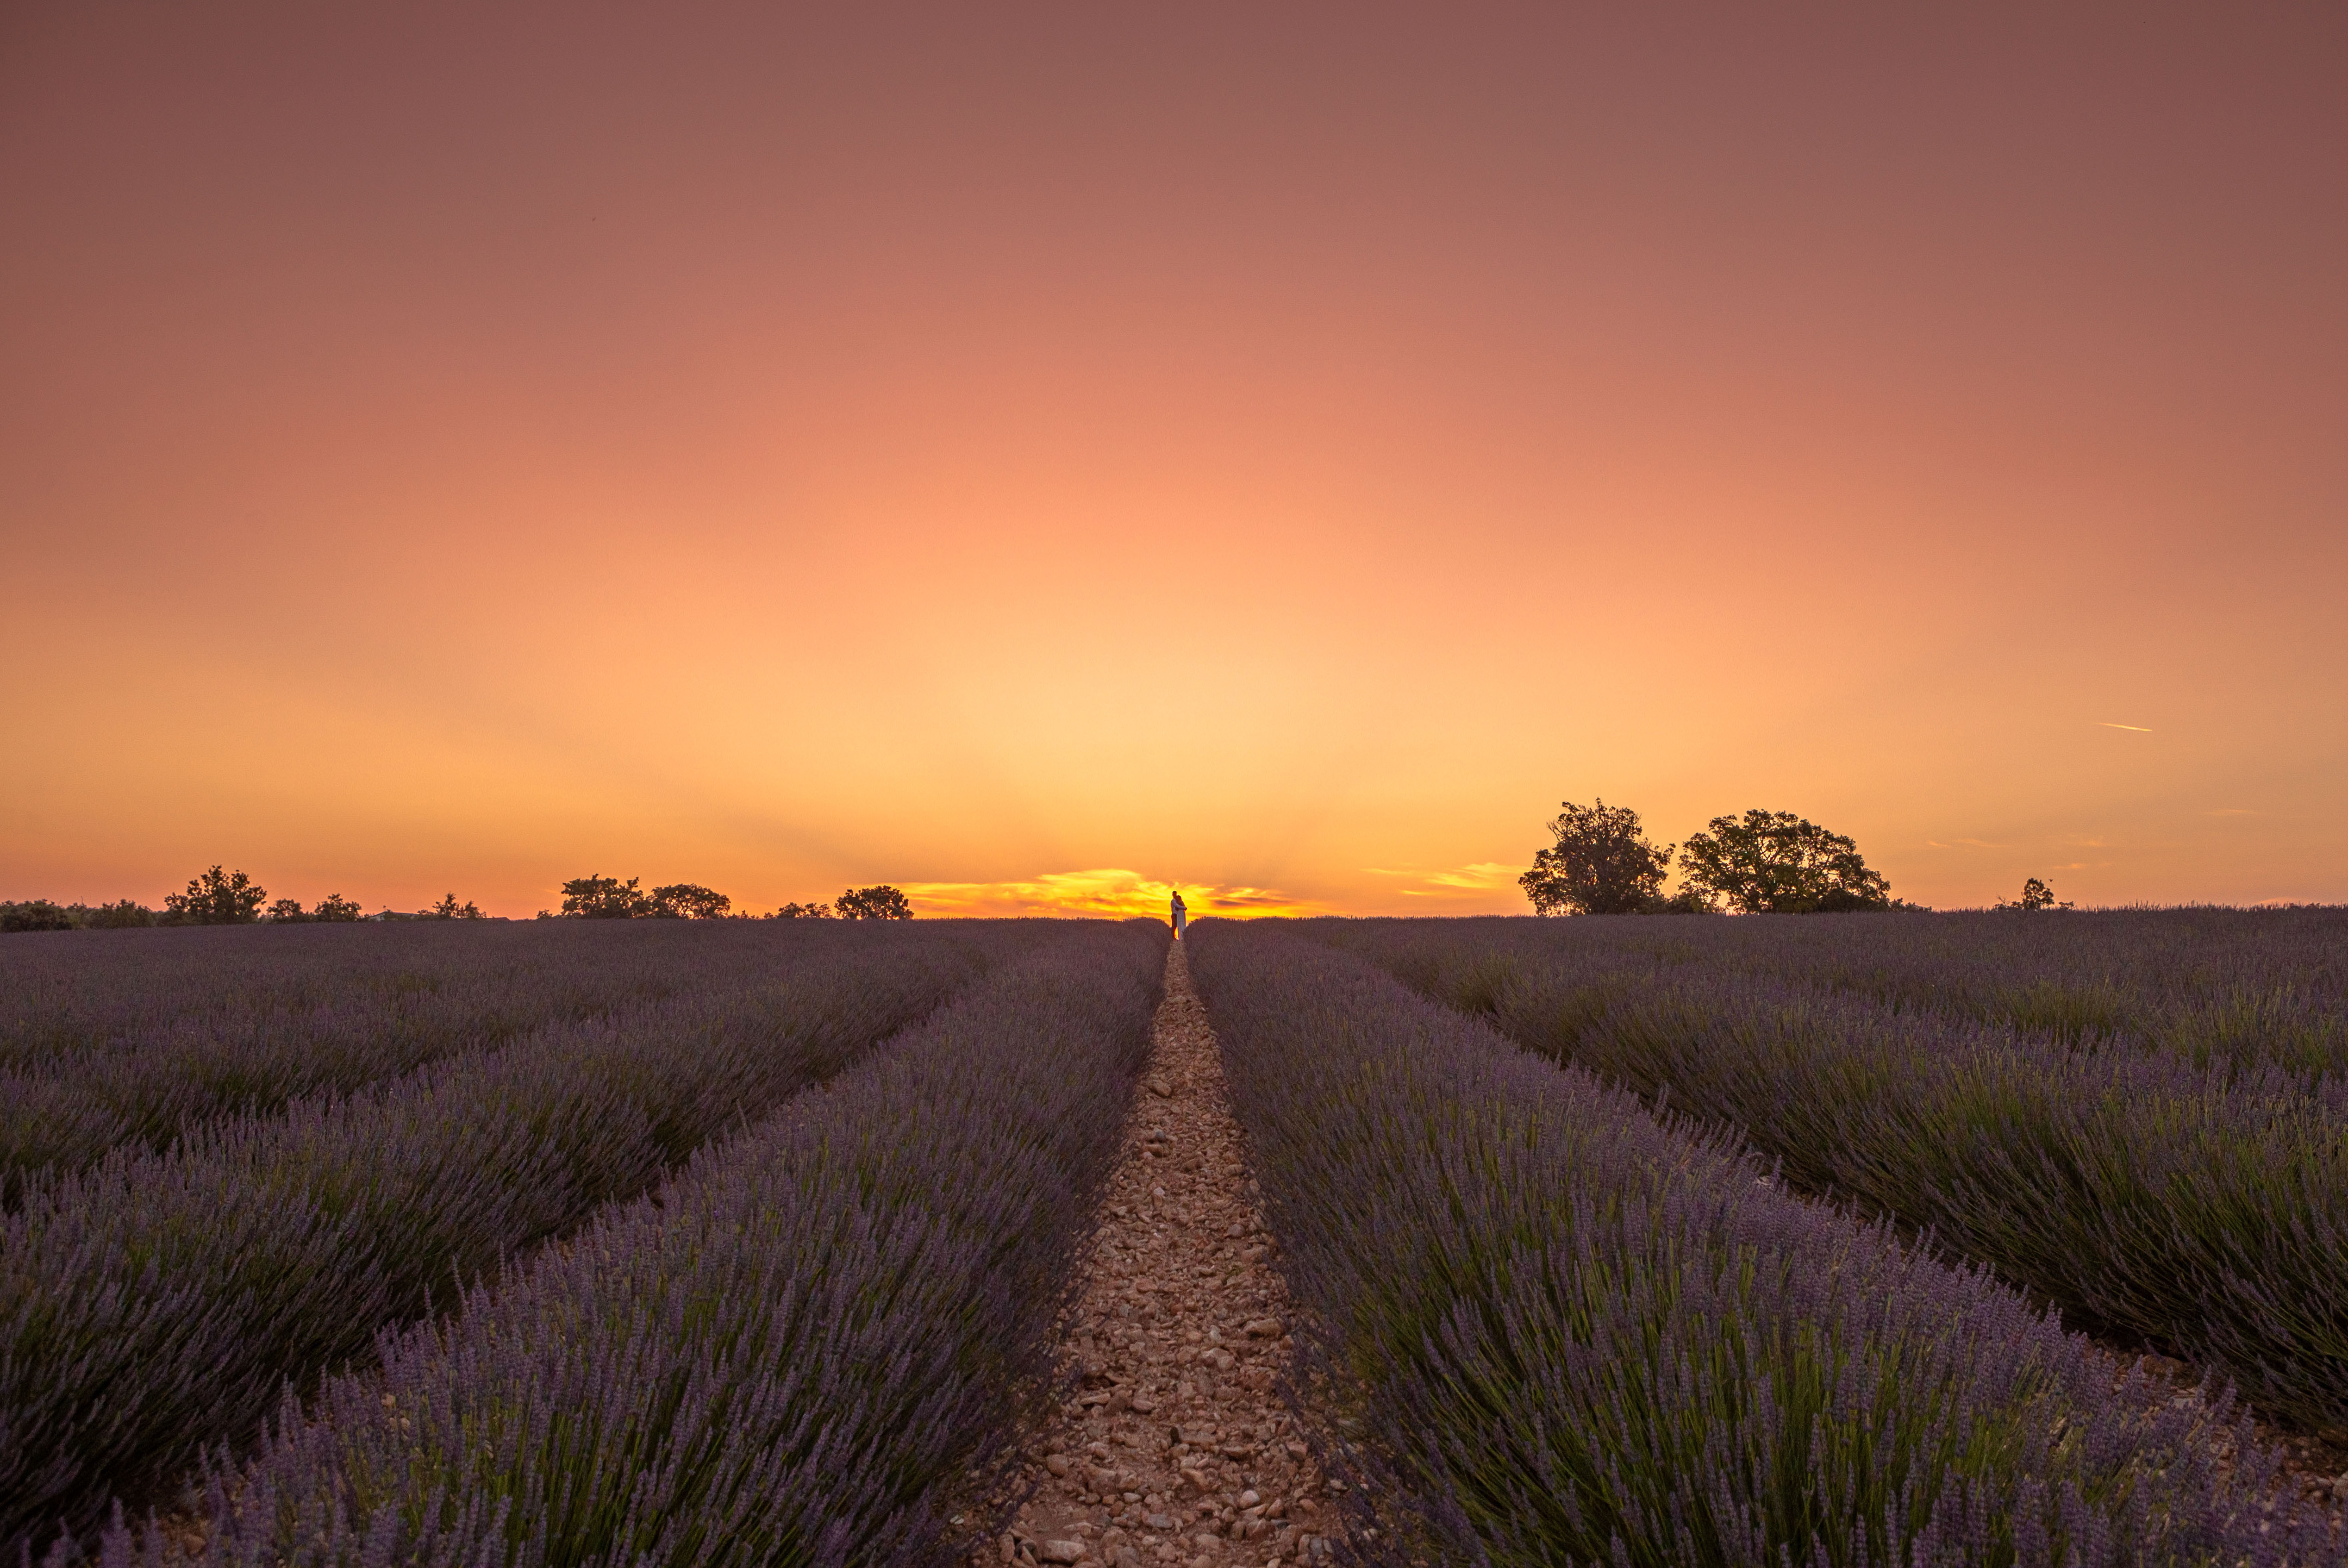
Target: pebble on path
x=1175, y=1448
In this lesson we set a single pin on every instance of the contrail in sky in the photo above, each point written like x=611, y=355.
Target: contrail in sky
x=2139, y=728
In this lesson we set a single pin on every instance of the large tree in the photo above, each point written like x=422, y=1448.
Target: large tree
x=1773, y=863
x=218, y=898
x=881, y=903
x=1600, y=864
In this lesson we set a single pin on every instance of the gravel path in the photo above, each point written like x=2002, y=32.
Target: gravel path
x=1177, y=1447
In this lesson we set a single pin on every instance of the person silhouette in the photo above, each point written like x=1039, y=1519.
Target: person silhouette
x=1180, y=915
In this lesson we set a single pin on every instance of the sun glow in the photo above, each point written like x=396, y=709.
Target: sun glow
x=796, y=449
x=1107, y=892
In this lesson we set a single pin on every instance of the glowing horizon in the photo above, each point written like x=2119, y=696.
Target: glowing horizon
x=1046, y=454
x=1111, y=892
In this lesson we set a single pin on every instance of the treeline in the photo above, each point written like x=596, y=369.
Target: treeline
x=608, y=898
x=215, y=898
x=219, y=897
x=1763, y=863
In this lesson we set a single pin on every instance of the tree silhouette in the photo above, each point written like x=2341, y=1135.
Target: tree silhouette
x=1600, y=864
x=1773, y=863
x=450, y=909
x=803, y=912
x=687, y=900
x=217, y=898
x=603, y=898
x=2035, y=894
x=881, y=903
x=334, y=907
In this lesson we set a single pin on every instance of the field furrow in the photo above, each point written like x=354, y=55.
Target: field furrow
x=812, y=1346
x=2201, y=1207
x=157, y=1304
x=276, y=991
x=1580, y=1335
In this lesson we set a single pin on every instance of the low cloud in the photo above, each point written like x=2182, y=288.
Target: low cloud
x=1107, y=892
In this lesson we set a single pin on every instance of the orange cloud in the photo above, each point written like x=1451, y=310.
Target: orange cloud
x=1106, y=893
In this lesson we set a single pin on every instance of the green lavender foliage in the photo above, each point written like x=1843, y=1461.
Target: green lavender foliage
x=1575, y=1335
x=2196, y=1201
x=813, y=1348
x=157, y=1303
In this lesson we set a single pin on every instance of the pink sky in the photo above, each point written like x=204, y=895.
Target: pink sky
x=1042, y=455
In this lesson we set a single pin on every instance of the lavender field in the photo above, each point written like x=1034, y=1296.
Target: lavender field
x=1650, y=1240
x=2137, y=1120
x=162, y=1292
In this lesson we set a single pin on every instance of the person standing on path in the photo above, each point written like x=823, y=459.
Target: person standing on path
x=1180, y=915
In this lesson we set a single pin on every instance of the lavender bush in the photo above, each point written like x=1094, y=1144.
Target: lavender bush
x=1576, y=1335
x=2200, y=1206
x=157, y=1303
x=2247, y=987
x=273, y=1013
x=2203, y=1207
x=62, y=994
x=2244, y=987
x=807, y=1348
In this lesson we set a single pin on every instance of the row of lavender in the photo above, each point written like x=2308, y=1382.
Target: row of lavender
x=128, y=1038
x=2248, y=987
x=159, y=1302
x=807, y=1347
x=63, y=995
x=2244, y=986
x=1571, y=1333
x=2199, y=1205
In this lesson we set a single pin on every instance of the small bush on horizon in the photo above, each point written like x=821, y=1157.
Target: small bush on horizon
x=333, y=908
x=35, y=914
x=2036, y=895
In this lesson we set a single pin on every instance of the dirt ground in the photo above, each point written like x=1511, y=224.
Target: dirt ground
x=1176, y=1447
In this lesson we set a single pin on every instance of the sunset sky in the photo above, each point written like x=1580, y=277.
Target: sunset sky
x=1043, y=455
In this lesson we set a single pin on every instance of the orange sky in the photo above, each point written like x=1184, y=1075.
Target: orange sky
x=1040, y=455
